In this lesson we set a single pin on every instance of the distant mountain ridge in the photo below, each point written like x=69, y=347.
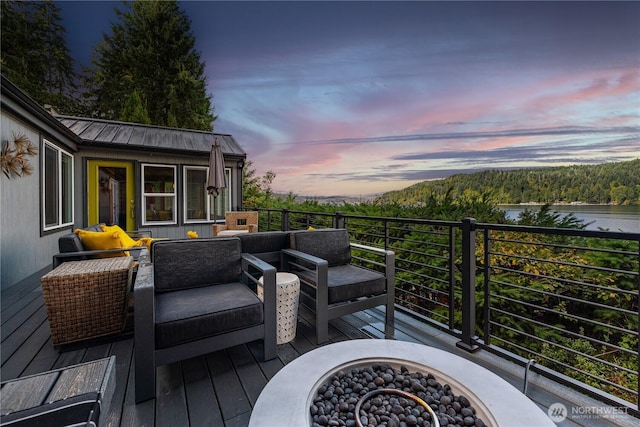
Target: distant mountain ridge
x=609, y=183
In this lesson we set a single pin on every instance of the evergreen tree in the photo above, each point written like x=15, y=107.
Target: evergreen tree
x=151, y=52
x=256, y=190
x=617, y=183
x=134, y=111
x=35, y=55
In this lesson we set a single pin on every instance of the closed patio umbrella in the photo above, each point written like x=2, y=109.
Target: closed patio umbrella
x=216, y=180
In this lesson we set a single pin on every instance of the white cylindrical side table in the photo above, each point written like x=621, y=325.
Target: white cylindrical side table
x=287, y=296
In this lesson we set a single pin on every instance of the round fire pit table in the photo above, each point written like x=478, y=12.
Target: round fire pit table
x=287, y=300
x=287, y=397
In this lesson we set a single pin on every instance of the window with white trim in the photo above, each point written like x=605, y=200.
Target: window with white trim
x=57, y=187
x=196, y=208
x=199, y=206
x=159, y=194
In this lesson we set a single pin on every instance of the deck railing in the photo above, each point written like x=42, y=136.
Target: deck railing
x=563, y=302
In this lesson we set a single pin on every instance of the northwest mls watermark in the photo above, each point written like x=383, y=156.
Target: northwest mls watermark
x=558, y=412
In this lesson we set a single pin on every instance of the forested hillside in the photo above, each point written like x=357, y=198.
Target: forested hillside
x=615, y=183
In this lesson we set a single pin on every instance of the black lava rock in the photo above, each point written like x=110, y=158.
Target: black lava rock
x=336, y=400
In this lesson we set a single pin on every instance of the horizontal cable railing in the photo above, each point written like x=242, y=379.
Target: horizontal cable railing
x=566, y=298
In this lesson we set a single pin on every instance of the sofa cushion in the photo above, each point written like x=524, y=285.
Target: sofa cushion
x=331, y=245
x=190, y=263
x=70, y=243
x=348, y=282
x=192, y=314
x=94, y=227
x=265, y=245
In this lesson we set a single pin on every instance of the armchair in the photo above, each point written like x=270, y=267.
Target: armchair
x=330, y=284
x=193, y=299
x=236, y=223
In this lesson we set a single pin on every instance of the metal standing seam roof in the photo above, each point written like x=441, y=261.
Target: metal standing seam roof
x=136, y=135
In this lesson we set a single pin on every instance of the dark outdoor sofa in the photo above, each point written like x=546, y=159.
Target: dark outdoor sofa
x=78, y=395
x=71, y=247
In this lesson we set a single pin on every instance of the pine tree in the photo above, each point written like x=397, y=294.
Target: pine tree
x=35, y=55
x=151, y=51
x=134, y=111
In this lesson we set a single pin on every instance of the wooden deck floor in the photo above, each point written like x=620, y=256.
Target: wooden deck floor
x=220, y=389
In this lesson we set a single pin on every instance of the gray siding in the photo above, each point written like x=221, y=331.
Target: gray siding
x=168, y=231
x=23, y=250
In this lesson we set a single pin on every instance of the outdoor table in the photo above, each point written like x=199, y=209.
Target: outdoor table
x=287, y=297
x=75, y=395
x=87, y=299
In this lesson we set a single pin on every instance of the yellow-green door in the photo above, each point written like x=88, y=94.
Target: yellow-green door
x=111, y=193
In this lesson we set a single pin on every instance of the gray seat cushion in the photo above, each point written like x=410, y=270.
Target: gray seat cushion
x=348, y=282
x=193, y=314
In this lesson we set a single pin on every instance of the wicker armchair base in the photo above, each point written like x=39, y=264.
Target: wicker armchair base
x=87, y=299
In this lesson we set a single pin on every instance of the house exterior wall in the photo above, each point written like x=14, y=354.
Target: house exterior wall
x=24, y=249
x=176, y=231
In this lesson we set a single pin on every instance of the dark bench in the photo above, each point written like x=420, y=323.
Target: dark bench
x=77, y=395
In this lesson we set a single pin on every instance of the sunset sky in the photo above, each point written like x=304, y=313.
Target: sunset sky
x=355, y=98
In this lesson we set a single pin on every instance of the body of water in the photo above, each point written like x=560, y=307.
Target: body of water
x=613, y=218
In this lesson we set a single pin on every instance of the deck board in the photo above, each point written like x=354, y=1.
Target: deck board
x=171, y=402
x=232, y=399
x=220, y=388
x=248, y=372
x=18, y=329
x=15, y=294
x=202, y=401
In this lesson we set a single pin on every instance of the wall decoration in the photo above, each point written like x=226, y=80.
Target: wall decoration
x=14, y=155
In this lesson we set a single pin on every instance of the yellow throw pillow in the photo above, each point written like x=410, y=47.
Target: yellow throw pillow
x=146, y=241
x=126, y=240
x=100, y=240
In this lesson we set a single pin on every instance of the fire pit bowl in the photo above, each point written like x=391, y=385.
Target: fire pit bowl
x=287, y=397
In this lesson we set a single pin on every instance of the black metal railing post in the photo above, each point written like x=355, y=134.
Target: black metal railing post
x=338, y=220
x=451, y=264
x=487, y=288
x=638, y=362
x=468, y=342
x=387, y=235
x=284, y=226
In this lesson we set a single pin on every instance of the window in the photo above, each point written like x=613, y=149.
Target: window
x=198, y=204
x=159, y=194
x=57, y=187
x=195, y=190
